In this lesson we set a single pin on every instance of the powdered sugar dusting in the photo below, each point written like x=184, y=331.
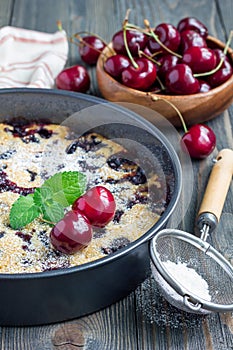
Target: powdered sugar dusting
x=189, y=278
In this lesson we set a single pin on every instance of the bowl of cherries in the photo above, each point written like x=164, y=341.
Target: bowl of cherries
x=168, y=68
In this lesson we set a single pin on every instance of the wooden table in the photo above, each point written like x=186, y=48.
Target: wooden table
x=143, y=320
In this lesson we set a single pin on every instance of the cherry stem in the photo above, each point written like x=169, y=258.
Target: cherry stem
x=221, y=60
x=156, y=98
x=127, y=48
x=142, y=53
x=46, y=221
x=59, y=25
x=152, y=33
x=160, y=83
x=83, y=42
x=126, y=19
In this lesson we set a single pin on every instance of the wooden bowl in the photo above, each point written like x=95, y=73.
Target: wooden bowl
x=195, y=108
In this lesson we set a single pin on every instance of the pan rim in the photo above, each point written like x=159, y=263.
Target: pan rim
x=147, y=236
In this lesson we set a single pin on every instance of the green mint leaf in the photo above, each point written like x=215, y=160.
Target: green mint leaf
x=74, y=185
x=56, y=193
x=51, y=209
x=54, y=184
x=23, y=211
x=53, y=212
x=66, y=186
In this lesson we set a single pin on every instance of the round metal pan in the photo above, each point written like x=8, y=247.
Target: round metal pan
x=59, y=295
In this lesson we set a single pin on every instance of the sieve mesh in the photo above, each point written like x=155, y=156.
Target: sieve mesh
x=209, y=265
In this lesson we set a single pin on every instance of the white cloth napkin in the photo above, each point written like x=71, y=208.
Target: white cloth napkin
x=31, y=58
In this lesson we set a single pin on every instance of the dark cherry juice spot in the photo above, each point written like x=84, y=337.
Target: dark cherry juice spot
x=135, y=174
x=32, y=174
x=55, y=260
x=21, y=128
x=117, y=216
x=115, y=245
x=8, y=154
x=86, y=142
x=121, y=164
x=24, y=236
x=138, y=198
x=7, y=185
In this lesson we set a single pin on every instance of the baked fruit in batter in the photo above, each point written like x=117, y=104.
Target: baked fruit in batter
x=33, y=151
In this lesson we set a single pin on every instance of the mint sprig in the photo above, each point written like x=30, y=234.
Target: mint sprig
x=23, y=211
x=51, y=209
x=49, y=200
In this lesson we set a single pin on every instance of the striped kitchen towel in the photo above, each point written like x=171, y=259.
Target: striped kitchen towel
x=31, y=58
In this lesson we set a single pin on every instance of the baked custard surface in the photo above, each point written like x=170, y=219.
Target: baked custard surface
x=30, y=153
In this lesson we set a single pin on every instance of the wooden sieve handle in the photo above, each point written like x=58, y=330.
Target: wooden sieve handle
x=218, y=184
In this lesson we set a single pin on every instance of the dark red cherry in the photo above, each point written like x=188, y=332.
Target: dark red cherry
x=97, y=204
x=190, y=38
x=136, y=41
x=180, y=80
x=90, y=48
x=166, y=61
x=204, y=86
x=220, y=55
x=72, y=233
x=168, y=35
x=221, y=76
x=114, y=65
x=147, y=51
x=199, y=140
x=193, y=24
x=200, y=59
x=140, y=78
x=223, y=73
x=74, y=78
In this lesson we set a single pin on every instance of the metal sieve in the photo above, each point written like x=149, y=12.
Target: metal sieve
x=191, y=274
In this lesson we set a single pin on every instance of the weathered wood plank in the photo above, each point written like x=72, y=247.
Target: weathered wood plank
x=6, y=7
x=143, y=320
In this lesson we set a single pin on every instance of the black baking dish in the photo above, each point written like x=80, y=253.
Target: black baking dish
x=53, y=296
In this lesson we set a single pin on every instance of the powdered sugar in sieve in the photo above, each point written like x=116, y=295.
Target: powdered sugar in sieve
x=189, y=278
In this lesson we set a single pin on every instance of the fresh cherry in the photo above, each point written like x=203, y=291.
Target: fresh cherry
x=166, y=61
x=204, y=86
x=200, y=59
x=147, y=52
x=168, y=35
x=223, y=73
x=135, y=40
x=180, y=80
x=199, y=140
x=114, y=65
x=140, y=78
x=72, y=233
x=192, y=23
x=97, y=204
x=221, y=76
x=90, y=48
x=190, y=38
x=74, y=78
